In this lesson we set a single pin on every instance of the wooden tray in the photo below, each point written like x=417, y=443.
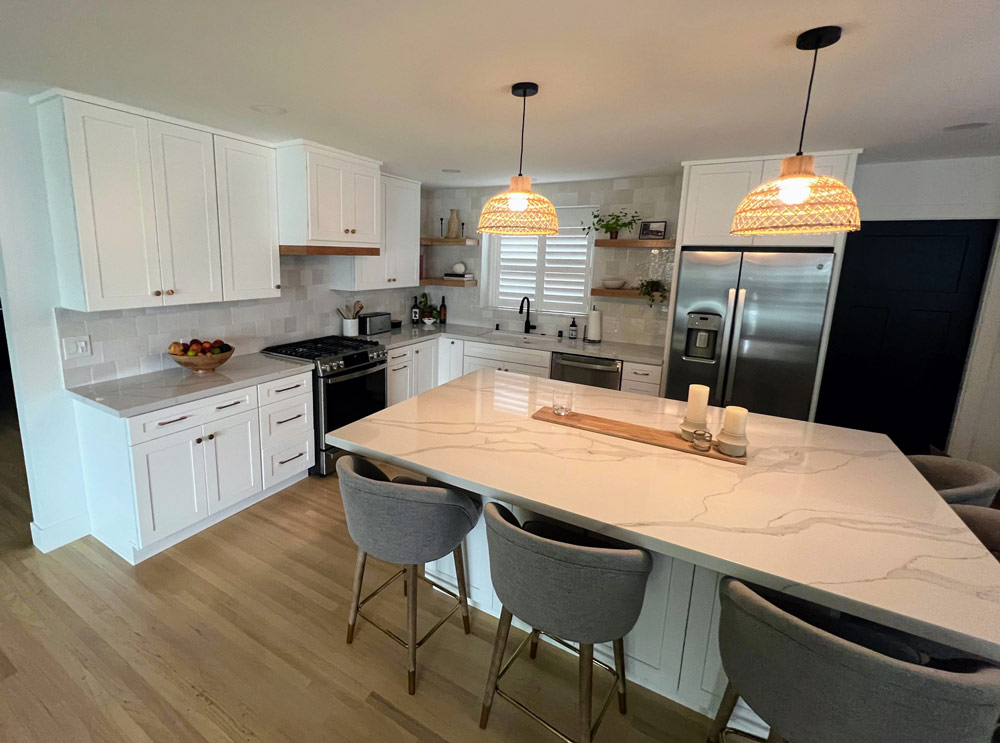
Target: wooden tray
x=632, y=432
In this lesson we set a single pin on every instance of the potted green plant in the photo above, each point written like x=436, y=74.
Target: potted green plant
x=649, y=288
x=427, y=308
x=613, y=223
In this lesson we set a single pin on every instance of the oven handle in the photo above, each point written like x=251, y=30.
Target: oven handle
x=354, y=375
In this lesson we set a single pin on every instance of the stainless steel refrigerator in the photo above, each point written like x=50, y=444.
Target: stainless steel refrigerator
x=748, y=325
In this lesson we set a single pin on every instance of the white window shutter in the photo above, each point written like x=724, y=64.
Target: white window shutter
x=517, y=269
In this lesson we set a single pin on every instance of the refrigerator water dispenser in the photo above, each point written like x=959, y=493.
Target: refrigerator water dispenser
x=702, y=336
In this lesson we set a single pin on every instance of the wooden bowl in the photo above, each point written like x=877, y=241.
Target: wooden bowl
x=203, y=364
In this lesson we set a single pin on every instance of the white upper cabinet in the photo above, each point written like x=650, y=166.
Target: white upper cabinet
x=328, y=198
x=246, y=177
x=147, y=212
x=187, y=213
x=398, y=261
x=100, y=186
x=835, y=165
x=712, y=195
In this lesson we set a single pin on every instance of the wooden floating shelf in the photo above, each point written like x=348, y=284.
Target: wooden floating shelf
x=468, y=241
x=440, y=281
x=655, y=244
x=618, y=293
x=325, y=250
x=632, y=432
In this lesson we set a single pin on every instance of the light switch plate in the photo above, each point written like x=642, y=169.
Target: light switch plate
x=77, y=347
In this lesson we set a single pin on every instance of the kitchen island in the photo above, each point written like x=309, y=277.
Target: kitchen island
x=832, y=515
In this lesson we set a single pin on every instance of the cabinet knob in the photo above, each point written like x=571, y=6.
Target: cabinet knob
x=198, y=440
x=157, y=293
x=353, y=231
x=346, y=231
x=453, y=343
x=170, y=292
x=277, y=286
x=416, y=351
x=210, y=436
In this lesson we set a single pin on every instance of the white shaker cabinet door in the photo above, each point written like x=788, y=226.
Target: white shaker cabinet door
x=246, y=177
x=450, y=359
x=329, y=183
x=402, y=230
x=171, y=484
x=112, y=184
x=399, y=382
x=714, y=191
x=424, y=367
x=363, y=205
x=187, y=213
x=234, y=463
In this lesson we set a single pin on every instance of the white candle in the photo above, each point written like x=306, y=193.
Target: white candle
x=697, y=409
x=735, y=421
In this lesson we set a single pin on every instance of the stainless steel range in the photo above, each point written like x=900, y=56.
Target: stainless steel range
x=350, y=379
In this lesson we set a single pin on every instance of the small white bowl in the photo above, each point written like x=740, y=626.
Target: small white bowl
x=613, y=283
x=428, y=320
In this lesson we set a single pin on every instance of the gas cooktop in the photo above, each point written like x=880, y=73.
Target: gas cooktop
x=333, y=353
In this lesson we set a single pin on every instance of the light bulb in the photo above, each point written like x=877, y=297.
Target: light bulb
x=794, y=190
x=517, y=202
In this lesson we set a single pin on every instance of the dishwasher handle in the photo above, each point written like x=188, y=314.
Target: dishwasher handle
x=615, y=368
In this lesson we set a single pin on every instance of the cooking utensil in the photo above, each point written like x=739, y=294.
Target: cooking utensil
x=357, y=309
x=341, y=313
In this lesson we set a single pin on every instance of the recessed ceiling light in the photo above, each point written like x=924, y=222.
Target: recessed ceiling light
x=263, y=108
x=450, y=170
x=969, y=125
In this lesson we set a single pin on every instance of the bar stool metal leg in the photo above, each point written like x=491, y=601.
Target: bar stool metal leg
x=533, y=648
x=726, y=707
x=411, y=625
x=359, y=574
x=463, y=596
x=499, y=645
x=586, y=690
x=619, y=646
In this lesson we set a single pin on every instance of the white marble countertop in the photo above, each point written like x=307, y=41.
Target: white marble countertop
x=634, y=352
x=833, y=515
x=144, y=393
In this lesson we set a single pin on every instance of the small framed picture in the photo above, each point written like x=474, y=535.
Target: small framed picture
x=654, y=230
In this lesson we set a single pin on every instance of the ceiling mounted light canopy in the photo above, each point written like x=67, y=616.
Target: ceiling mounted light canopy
x=799, y=202
x=519, y=211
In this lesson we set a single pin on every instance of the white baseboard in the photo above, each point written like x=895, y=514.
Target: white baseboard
x=61, y=533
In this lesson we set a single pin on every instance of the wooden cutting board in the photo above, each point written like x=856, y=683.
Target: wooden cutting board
x=632, y=432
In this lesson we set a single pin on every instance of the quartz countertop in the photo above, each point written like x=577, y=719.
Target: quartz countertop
x=836, y=516
x=144, y=393
x=634, y=352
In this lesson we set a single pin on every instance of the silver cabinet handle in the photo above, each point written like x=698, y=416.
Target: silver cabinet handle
x=595, y=367
x=399, y=356
x=287, y=420
x=723, y=355
x=175, y=420
x=286, y=461
x=640, y=374
x=223, y=407
x=737, y=329
x=286, y=389
x=400, y=368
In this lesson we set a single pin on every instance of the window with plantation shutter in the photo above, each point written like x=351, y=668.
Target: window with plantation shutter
x=550, y=270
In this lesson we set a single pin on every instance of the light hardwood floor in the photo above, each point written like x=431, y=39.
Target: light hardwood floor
x=237, y=634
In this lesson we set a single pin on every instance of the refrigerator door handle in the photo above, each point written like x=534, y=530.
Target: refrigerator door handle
x=724, y=352
x=737, y=330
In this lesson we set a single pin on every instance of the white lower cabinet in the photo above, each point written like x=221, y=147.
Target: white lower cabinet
x=641, y=388
x=424, y=366
x=451, y=354
x=412, y=369
x=156, y=478
x=506, y=358
x=399, y=377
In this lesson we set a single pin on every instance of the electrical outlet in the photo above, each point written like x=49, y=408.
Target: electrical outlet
x=614, y=326
x=77, y=347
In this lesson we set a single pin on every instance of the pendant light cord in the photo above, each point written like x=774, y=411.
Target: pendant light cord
x=805, y=115
x=524, y=110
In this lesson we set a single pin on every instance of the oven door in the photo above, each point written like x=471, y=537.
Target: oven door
x=343, y=399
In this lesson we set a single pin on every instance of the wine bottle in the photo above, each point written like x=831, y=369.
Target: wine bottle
x=415, y=313
x=443, y=312
x=572, y=329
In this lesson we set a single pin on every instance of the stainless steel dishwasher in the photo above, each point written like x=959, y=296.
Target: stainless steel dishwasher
x=596, y=372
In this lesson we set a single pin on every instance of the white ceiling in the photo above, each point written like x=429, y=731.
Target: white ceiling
x=626, y=87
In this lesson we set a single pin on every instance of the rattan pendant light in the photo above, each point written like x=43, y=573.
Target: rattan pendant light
x=799, y=202
x=520, y=211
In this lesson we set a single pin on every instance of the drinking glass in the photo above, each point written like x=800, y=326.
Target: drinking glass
x=562, y=400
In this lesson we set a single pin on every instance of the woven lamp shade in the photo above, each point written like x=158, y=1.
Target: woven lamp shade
x=519, y=211
x=799, y=202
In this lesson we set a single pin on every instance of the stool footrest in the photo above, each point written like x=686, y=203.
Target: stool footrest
x=432, y=630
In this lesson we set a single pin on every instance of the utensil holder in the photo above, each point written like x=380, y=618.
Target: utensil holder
x=349, y=328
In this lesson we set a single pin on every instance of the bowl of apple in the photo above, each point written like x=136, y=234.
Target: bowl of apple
x=201, y=357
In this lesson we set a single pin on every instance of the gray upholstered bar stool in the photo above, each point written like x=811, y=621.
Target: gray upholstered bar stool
x=569, y=592
x=958, y=480
x=407, y=522
x=814, y=687
x=984, y=523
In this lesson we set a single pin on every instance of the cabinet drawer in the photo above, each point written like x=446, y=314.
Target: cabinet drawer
x=288, y=458
x=178, y=417
x=531, y=371
x=647, y=373
x=399, y=355
x=641, y=388
x=284, y=388
x=287, y=419
x=528, y=356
